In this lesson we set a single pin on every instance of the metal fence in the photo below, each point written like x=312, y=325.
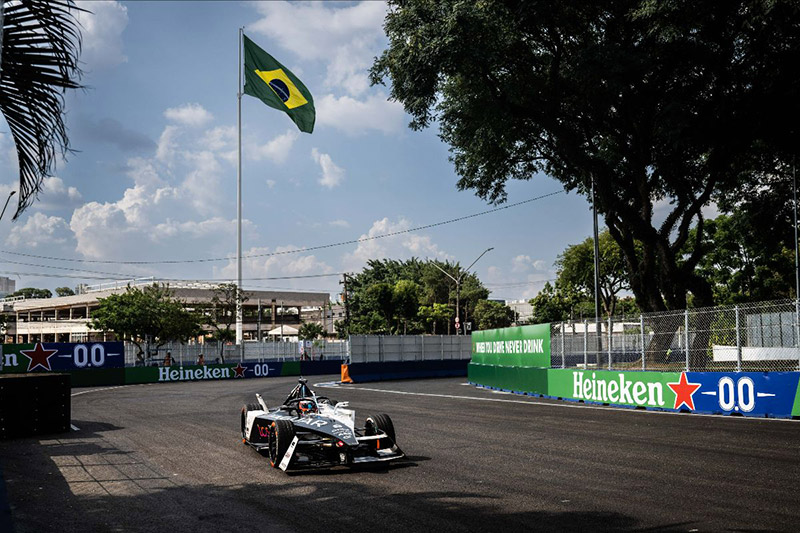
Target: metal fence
x=186, y=354
x=382, y=348
x=761, y=336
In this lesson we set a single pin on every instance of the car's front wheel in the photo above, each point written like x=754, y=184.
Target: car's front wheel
x=381, y=423
x=281, y=434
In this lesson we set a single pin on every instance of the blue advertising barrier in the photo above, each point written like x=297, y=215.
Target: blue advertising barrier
x=61, y=356
x=770, y=394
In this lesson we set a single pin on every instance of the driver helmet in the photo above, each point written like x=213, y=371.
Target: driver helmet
x=307, y=407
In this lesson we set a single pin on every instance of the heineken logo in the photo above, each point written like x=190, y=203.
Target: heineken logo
x=192, y=374
x=617, y=389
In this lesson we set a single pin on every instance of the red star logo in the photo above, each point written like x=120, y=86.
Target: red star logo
x=39, y=357
x=683, y=392
x=240, y=370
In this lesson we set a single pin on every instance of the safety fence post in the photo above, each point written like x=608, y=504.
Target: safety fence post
x=585, y=344
x=641, y=332
x=563, y=334
x=686, y=334
x=610, y=331
x=738, y=342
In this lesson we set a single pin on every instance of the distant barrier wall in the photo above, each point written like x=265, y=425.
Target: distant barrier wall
x=399, y=348
x=517, y=360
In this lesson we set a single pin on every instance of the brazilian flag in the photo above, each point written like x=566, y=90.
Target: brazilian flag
x=276, y=86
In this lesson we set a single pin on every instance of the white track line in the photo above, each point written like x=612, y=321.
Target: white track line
x=95, y=390
x=563, y=404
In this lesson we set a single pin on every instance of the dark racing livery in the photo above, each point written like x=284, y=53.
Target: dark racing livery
x=313, y=431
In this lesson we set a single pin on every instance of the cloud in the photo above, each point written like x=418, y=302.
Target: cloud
x=347, y=38
x=38, y=231
x=332, y=175
x=189, y=115
x=359, y=116
x=339, y=223
x=55, y=194
x=402, y=246
x=102, y=25
x=277, y=149
x=524, y=263
x=283, y=264
x=111, y=131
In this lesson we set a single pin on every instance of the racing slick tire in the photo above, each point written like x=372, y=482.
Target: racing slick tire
x=281, y=434
x=245, y=409
x=384, y=423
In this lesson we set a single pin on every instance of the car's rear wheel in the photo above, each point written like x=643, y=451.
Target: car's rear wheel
x=281, y=434
x=381, y=423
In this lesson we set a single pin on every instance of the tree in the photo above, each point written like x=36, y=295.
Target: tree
x=576, y=269
x=64, y=291
x=436, y=314
x=405, y=300
x=30, y=293
x=559, y=303
x=491, y=315
x=310, y=331
x=221, y=313
x=146, y=316
x=391, y=297
x=39, y=51
x=672, y=102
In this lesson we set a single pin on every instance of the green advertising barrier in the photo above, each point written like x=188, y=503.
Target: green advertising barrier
x=519, y=346
x=634, y=389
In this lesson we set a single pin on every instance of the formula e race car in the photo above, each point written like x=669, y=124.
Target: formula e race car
x=312, y=431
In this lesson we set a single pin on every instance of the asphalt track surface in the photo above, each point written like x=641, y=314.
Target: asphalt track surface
x=168, y=457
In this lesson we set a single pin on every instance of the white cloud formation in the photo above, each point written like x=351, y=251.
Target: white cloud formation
x=38, y=231
x=102, y=25
x=353, y=116
x=276, y=150
x=402, y=246
x=524, y=263
x=332, y=175
x=347, y=38
x=55, y=194
x=269, y=266
x=189, y=115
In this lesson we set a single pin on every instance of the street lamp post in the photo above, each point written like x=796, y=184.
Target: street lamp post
x=458, y=285
x=12, y=193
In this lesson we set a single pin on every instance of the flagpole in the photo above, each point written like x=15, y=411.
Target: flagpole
x=239, y=335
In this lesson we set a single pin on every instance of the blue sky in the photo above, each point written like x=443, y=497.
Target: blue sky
x=154, y=175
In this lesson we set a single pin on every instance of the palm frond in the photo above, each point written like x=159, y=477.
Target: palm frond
x=40, y=49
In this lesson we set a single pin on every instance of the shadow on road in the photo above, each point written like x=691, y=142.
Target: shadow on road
x=79, y=482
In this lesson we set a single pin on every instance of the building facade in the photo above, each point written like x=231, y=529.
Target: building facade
x=68, y=318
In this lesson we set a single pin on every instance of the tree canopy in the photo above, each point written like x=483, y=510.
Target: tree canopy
x=408, y=297
x=148, y=315
x=33, y=292
x=659, y=104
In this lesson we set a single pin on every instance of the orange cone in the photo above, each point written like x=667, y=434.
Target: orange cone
x=346, y=374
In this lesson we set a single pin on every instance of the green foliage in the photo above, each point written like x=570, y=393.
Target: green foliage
x=146, y=315
x=558, y=303
x=220, y=313
x=310, y=331
x=490, y=315
x=40, y=49
x=31, y=292
x=653, y=102
x=64, y=291
x=409, y=297
x=576, y=270
x=749, y=250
